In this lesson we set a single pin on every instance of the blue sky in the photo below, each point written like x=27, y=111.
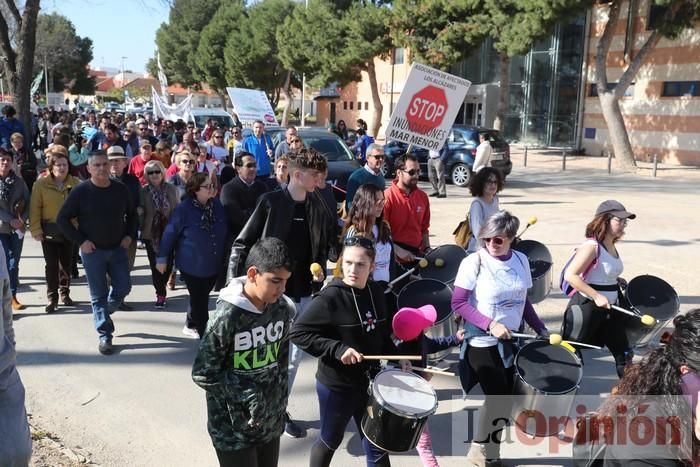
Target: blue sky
x=118, y=28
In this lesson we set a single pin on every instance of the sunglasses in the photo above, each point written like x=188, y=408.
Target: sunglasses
x=250, y=165
x=379, y=157
x=365, y=243
x=154, y=172
x=412, y=172
x=296, y=141
x=497, y=241
x=218, y=136
x=492, y=181
x=188, y=161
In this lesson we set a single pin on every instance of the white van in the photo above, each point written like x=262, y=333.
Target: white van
x=200, y=116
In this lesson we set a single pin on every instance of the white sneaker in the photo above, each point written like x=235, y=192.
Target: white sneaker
x=191, y=333
x=476, y=456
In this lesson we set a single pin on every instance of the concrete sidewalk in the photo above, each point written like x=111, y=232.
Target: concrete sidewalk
x=139, y=407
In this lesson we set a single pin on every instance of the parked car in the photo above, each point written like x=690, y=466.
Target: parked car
x=200, y=116
x=341, y=162
x=462, y=143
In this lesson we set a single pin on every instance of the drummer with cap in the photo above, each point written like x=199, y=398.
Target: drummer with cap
x=595, y=271
x=491, y=295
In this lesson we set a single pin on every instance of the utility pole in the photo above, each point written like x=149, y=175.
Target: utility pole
x=303, y=86
x=46, y=80
x=123, y=80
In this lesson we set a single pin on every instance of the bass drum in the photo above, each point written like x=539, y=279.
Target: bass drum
x=431, y=292
x=540, y=260
x=547, y=378
x=399, y=406
x=451, y=257
x=648, y=295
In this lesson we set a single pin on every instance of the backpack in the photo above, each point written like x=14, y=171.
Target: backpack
x=564, y=285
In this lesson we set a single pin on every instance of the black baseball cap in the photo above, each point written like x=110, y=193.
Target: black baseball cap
x=615, y=208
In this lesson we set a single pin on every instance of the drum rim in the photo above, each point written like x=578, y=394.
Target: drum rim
x=541, y=391
x=376, y=395
x=445, y=287
x=362, y=427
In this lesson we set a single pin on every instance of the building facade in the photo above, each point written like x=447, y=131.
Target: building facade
x=552, y=100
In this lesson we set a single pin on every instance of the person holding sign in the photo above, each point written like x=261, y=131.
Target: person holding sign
x=260, y=145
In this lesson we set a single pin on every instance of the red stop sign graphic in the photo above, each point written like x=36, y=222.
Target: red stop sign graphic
x=426, y=109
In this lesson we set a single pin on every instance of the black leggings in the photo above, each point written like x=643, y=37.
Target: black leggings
x=495, y=380
x=265, y=455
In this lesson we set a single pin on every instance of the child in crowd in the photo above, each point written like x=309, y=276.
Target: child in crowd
x=409, y=325
x=242, y=360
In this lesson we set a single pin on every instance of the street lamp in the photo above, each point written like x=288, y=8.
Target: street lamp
x=123, y=80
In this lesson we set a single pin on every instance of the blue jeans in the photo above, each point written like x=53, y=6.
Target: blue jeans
x=336, y=409
x=12, y=245
x=97, y=265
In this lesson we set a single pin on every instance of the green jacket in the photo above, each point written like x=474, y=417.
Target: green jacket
x=242, y=364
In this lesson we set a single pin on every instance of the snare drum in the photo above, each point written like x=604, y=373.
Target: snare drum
x=399, y=406
x=547, y=378
x=647, y=295
x=436, y=293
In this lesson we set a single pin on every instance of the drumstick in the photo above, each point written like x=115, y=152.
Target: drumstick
x=554, y=339
x=402, y=276
x=646, y=320
x=433, y=371
x=391, y=357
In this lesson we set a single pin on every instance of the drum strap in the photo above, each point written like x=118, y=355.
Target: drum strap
x=604, y=288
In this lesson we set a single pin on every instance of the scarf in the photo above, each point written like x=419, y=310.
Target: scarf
x=208, y=214
x=162, y=205
x=6, y=185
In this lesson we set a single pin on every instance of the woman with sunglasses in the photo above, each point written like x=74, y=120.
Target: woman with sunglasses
x=490, y=293
x=235, y=143
x=595, y=271
x=185, y=165
x=345, y=321
x=216, y=150
x=484, y=187
x=196, y=233
x=158, y=199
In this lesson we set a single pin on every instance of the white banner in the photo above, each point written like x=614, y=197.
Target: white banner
x=162, y=79
x=181, y=111
x=427, y=107
x=251, y=105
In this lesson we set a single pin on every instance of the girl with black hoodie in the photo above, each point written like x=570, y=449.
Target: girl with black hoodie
x=345, y=321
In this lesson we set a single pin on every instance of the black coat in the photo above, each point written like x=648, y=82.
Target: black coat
x=273, y=218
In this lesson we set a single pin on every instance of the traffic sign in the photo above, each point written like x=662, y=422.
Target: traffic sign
x=427, y=107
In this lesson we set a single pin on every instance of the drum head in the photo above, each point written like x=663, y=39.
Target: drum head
x=653, y=296
x=427, y=292
x=451, y=256
x=548, y=368
x=404, y=393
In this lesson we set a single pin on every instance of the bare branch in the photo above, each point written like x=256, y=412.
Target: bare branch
x=628, y=76
x=6, y=46
x=15, y=12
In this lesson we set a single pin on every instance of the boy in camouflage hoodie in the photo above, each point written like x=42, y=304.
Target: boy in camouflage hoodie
x=242, y=360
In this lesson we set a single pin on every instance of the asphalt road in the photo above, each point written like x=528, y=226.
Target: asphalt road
x=139, y=407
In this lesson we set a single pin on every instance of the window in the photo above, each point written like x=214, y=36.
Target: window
x=359, y=106
x=345, y=105
x=593, y=89
x=399, y=56
x=656, y=15
x=366, y=105
x=681, y=89
x=351, y=104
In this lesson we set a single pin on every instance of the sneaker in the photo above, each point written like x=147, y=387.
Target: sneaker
x=160, y=302
x=291, y=429
x=191, y=333
x=67, y=301
x=125, y=307
x=433, y=194
x=442, y=196
x=105, y=346
x=476, y=457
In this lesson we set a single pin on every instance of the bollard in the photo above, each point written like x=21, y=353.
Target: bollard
x=609, y=162
x=525, y=157
x=563, y=160
x=655, y=164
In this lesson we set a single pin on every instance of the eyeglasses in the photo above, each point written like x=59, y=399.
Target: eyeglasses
x=154, y=172
x=624, y=222
x=497, y=241
x=250, y=165
x=296, y=141
x=365, y=243
x=188, y=161
x=412, y=172
x=218, y=136
x=492, y=180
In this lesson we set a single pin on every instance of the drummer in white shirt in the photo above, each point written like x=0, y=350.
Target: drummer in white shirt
x=491, y=295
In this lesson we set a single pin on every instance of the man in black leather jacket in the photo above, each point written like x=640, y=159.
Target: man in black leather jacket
x=303, y=223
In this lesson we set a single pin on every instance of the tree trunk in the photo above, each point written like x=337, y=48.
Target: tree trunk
x=504, y=88
x=610, y=99
x=376, y=100
x=19, y=62
x=287, y=99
